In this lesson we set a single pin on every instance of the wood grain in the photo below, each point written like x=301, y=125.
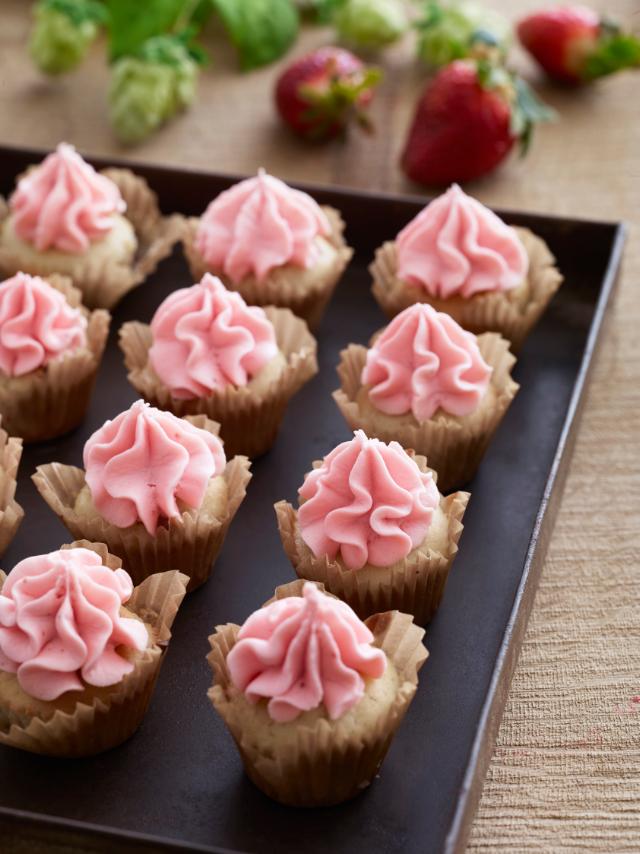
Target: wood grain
x=566, y=772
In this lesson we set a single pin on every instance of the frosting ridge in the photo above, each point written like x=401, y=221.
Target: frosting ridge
x=143, y=461
x=206, y=338
x=60, y=623
x=302, y=651
x=458, y=247
x=423, y=361
x=36, y=325
x=367, y=502
x=63, y=203
x=260, y=224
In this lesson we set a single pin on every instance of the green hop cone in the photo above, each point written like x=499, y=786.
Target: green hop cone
x=62, y=32
x=370, y=23
x=148, y=89
x=460, y=30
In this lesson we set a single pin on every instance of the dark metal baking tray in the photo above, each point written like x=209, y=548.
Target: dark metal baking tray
x=178, y=783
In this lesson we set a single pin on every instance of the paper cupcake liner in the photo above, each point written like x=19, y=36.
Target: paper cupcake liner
x=414, y=585
x=104, y=282
x=249, y=420
x=11, y=513
x=190, y=542
x=112, y=718
x=325, y=766
x=281, y=287
x=454, y=448
x=491, y=312
x=54, y=400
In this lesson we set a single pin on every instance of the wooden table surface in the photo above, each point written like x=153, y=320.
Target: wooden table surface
x=566, y=772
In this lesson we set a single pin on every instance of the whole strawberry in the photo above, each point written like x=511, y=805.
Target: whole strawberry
x=467, y=121
x=574, y=45
x=320, y=93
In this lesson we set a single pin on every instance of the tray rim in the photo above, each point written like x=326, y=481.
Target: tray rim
x=483, y=745
x=504, y=669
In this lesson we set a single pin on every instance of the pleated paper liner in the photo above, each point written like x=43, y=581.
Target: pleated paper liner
x=54, y=399
x=415, y=584
x=454, y=448
x=491, y=312
x=104, y=717
x=282, y=286
x=325, y=765
x=249, y=421
x=104, y=282
x=11, y=513
x=190, y=542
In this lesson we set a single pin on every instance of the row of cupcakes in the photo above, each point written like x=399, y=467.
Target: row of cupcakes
x=274, y=245
x=424, y=381
x=159, y=491
x=311, y=694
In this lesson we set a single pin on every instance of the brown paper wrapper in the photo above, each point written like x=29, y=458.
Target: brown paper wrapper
x=189, y=543
x=324, y=766
x=249, y=421
x=54, y=400
x=11, y=513
x=103, y=282
x=106, y=721
x=454, y=448
x=281, y=287
x=414, y=585
x=491, y=312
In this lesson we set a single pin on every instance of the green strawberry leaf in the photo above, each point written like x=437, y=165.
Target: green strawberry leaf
x=614, y=52
x=526, y=112
x=261, y=30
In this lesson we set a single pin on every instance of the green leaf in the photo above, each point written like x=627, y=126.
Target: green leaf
x=132, y=22
x=614, y=53
x=527, y=111
x=261, y=30
x=78, y=11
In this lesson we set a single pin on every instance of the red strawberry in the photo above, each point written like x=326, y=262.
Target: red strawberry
x=573, y=44
x=467, y=121
x=321, y=92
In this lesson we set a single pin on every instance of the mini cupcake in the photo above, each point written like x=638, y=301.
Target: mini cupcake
x=373, y=528
x=80, y=649
x=273, y=244
x=11, y=513
x=156, y=489
x=312, y=695
x=207, y=352
x=50, y=352
x=431, y=386
x=464, y=260
x=103, y=230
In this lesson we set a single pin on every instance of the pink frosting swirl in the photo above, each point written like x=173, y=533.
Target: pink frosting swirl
x=424, y=361
x=303, y=651
x=60, y=623
x=36, y=325
x=64, y=203
x=458, y=247
x=367, y=501
x=140, y=464
x=258, y=225
x=206, y=338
